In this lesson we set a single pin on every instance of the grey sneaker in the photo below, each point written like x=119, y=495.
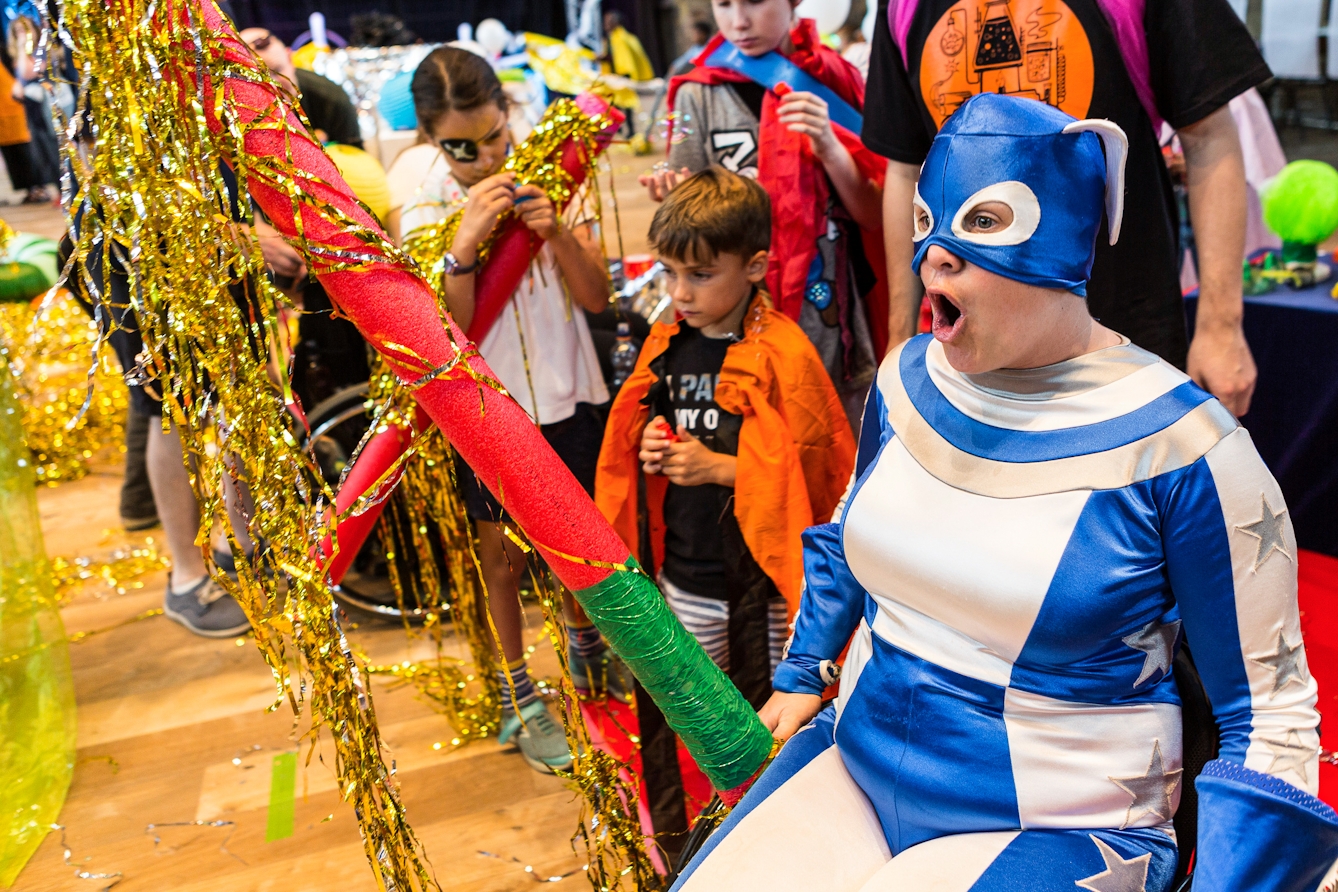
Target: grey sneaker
x=601, y=675
x=225, y=561
x=538, y=736
x=206, y=610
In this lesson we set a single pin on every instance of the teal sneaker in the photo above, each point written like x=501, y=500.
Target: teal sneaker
x=538, y=736
x=601, y=675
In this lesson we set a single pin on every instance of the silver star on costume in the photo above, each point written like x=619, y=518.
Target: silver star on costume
x=1287, y=662
x=1151, y=791
x=1120, y=875
x=1157, y=640
x=1290, y=755
x=1268, y=529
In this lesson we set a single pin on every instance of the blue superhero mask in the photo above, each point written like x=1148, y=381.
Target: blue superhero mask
x=1047, y=167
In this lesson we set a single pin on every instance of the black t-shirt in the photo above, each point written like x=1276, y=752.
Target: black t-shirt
x=694, y=557
x=328, y=108
x=1065, y=53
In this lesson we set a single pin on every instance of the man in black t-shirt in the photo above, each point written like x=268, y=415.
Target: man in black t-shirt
x=324, y=102
x=1195, y=57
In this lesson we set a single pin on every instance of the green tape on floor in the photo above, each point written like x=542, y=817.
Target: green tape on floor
x=282, y=784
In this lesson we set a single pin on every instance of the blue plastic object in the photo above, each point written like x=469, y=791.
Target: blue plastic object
x=771, y=69
x=396, y=102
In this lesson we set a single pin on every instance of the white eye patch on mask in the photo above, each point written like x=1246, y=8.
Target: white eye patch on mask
x=923, y=216
x=1019, y=198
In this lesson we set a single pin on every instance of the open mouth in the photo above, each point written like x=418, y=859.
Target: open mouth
x=947, y=316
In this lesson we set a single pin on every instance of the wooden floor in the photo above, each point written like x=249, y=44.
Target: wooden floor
x=173, y=728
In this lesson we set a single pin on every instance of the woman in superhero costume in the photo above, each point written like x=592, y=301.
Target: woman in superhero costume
x=1041, y=515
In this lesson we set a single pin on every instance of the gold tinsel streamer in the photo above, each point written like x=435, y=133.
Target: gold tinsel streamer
x=48, y=353
x=608, y=827
x=154, y=202
x=425, y=515
x=120, y=572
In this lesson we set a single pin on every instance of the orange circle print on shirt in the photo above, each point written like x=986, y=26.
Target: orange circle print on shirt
x=1032, y=48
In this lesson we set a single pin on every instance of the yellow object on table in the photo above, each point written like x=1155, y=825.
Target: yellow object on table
x=565, y=70
x=364, y=175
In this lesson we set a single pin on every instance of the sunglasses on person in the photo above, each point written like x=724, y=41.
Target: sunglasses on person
x=260, y=44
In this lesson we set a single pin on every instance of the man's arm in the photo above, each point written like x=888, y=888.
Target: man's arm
x=1219, y=357
x=903, y=287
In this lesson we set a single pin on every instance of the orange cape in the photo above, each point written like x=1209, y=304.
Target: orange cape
x=796, y=451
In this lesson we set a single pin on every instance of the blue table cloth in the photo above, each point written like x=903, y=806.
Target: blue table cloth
x=1294, y=416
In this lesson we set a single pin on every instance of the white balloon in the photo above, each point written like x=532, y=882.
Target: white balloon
x=830, y=14
x=316, y=22
x=493, y=35
x=473, y=46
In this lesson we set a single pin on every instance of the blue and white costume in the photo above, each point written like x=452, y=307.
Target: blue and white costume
x=1019, y=557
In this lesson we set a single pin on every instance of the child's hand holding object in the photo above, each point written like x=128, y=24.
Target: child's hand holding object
x=806, y=113
x=655, y=439
x=536, y=211
x=681, y=457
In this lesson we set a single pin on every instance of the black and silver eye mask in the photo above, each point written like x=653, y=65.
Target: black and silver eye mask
x=464, y=150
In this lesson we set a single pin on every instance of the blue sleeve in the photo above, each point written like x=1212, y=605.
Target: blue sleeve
x=829, y=611
x=1231, y=562
x=833, y=600
x=1259, y=832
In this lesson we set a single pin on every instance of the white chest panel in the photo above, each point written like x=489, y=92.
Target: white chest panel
x=949, y=568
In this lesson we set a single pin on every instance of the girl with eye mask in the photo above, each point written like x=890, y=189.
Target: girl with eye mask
x=539, y=347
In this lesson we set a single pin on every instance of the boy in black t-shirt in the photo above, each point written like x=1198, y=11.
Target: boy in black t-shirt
x=1135, y=62
x=731, y=427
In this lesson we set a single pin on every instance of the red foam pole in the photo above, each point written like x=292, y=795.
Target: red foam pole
x=512, y=251
x=391, y=305
x=383, y=449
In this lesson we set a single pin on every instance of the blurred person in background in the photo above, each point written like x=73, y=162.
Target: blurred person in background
x=14, y=136
x=324, y=102
x=623, y=52
x=43, y=150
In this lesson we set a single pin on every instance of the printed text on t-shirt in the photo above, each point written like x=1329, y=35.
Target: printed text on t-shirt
x=689, y=388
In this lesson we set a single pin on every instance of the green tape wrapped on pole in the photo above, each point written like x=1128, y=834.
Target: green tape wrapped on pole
x=699, y=702
x=36, y=687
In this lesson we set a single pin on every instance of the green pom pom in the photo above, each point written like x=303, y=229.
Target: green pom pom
x=20, y=282
x=1301, y=203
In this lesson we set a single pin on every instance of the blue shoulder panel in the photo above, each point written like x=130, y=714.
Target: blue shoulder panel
x=829, y=611
x=1001, y=444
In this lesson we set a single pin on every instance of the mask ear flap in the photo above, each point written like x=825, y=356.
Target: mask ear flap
x=1116, y=146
